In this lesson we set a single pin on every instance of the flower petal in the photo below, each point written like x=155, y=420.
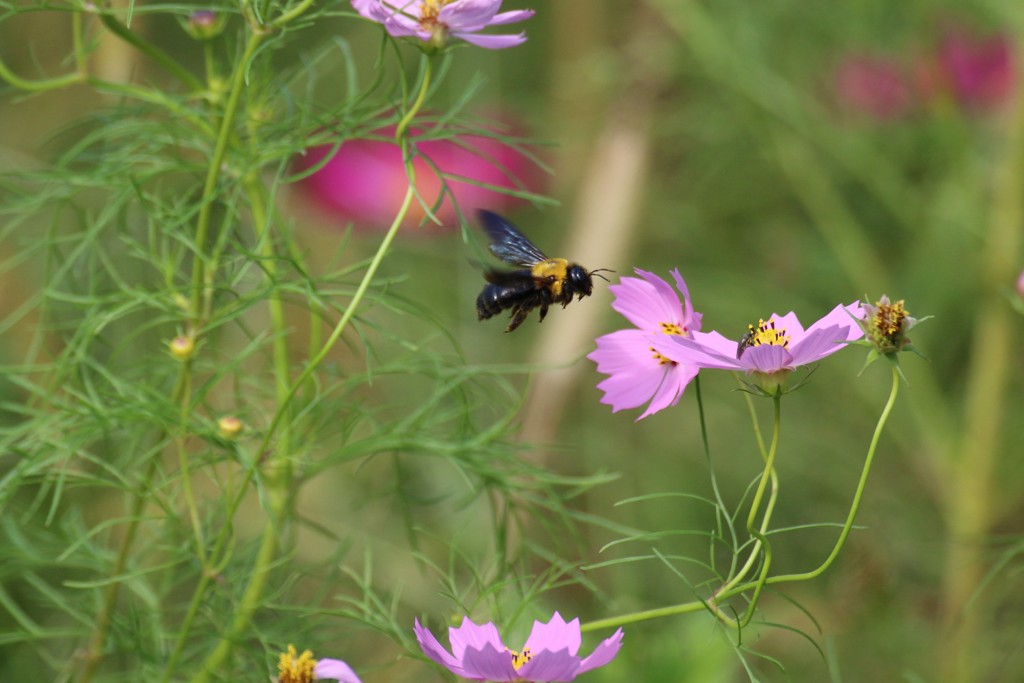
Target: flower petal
x=704, y=350
x=603, y=653
x=554, y=635
x=335, y=669
x=692, y=320
x=550, y=666
x=818, y=344
x=844, y=316
x=434, y=650
x=511, y=17
x=673, y=384
x=790, y=323
x=491, y=42
x=647, y=302
x=488, y=664
x=634, y=374
x=469, y=635
x=468, y=15
x=767, y=359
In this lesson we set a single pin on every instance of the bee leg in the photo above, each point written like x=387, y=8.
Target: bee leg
x=518, y=316
x=543, y=312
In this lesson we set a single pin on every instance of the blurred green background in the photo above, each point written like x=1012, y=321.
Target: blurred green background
x=784, y=155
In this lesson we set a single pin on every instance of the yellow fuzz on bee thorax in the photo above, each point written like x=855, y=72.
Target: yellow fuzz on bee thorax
x=295, y=668
x=765, y=333
x=553, y=271
x=519, y=658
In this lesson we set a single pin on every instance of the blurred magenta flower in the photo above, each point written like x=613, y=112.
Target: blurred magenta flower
x=638, y=373
x=432, y=21
x=1020, y=285
x=876, y=87
x=549, y=654
x=977, y=71
x=364, y=181
x=770, y=350
x=295, y=668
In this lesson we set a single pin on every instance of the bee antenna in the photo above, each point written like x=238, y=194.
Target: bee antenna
x=598, y=272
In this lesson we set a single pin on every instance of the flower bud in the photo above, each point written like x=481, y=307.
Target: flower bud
x=229, y=427
x=886, y=325
x=204, y=24
x=182, y=347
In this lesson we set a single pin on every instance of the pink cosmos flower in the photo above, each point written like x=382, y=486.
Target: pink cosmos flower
x=877, y=87
x=364, y=181
x=434, y=20
x=549, y=654
x=637, y=372
x=772, y=349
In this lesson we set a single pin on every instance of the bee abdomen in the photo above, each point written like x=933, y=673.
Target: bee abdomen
x=491, y=302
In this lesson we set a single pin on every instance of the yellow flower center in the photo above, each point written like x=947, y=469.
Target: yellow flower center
x=764, y=333
x=668, y=328
x=519, y=659
x=295, y=668
x=672, y=328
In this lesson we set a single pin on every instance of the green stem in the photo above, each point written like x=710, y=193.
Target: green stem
x=214, y=171
x=855, y=505
x=41, y=85
x=292, y=14
x=152, y=51
x=761, y=534
x=773, y=497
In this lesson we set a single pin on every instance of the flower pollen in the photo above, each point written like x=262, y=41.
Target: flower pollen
x=672, y=328
x=296, y=668
x=662, y=360
x=764, y=334
x=887, y=325
x=519, y=658
x=889, y=317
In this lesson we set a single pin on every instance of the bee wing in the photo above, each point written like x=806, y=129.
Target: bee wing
x=507, y=243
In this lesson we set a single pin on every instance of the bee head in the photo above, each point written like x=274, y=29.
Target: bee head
x=577, y=281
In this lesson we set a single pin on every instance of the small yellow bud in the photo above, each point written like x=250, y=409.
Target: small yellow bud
x=229, y=427
x=182, y=347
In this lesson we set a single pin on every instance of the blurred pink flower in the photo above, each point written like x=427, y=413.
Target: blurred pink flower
x=977, y=71
x=550, y=653
x=1020, y=285
x=873, y=86
x=364, y=181
x=434, y=20
x=637, y=373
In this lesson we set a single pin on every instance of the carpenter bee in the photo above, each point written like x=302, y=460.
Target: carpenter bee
x=538, y=283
